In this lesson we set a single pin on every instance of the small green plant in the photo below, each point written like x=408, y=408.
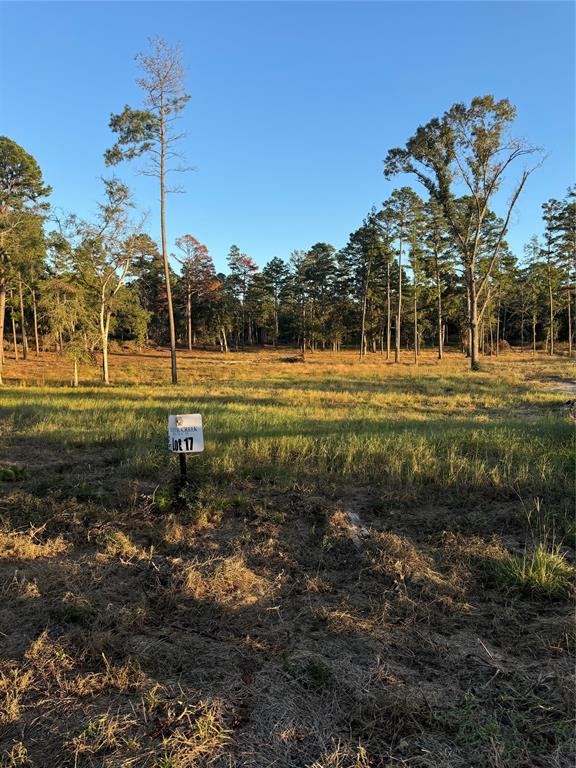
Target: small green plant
x=13, y=473
x=165, y=762
x=164, y=499
x=99, y=735
x=240, y=502
x=16, y=757
x=203, y=506
x=543, y=571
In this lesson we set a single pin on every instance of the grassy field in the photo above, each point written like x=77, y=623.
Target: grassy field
x=372, y=565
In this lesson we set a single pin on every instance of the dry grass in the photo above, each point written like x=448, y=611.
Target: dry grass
x=343, y=757
x=325, y=593
x=16, y=756
x=15, y=545
x=227, y=581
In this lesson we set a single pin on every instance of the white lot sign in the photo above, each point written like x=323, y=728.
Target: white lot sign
x=185, y=433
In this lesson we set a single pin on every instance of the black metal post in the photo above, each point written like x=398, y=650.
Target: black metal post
x=182, y=467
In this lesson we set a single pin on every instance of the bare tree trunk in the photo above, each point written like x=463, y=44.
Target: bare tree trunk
x=189, y=316
x=440, y=328
x=551, y=300
x=14, y=337
x=364, y=305
x=75, y=382
x=399, y=310
x=35, y=318
x=415, y=324
x=388, y=312
x=104, y=328
x=468, y=345
x=2, y=317
x=474, y=364
x=569, y=325
x=522, y=324
x=533, y=334
x=22, y=320
x=164, y=247
x=276, y=325
x=303, y=331
x=491, y=338
x=498, y=326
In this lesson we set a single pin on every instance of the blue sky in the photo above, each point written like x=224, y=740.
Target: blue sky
x=294, y=105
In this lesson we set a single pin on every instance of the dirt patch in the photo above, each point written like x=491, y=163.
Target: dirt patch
x=271, y=638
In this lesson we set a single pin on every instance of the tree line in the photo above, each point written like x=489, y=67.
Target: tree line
x=420, y=270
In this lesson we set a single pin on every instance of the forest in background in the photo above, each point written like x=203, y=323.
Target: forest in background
x=417, y=272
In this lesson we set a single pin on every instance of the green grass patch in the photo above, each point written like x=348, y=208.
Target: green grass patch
x=542, y=572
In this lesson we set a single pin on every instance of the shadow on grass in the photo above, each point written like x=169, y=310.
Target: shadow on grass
x=377, y=645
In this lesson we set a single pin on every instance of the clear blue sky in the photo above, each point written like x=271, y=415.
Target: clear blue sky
x=294, y=105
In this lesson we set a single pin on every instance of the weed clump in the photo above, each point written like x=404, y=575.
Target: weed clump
x=344, y=756
x=227, y=581
x=15, y=545
x=544, y=572
x=101, y=735
x=15, y=757
x=13, y=474
x=201, y=735
x=116, y=543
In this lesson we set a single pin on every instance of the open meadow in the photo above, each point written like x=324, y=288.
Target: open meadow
x=371, y=565
x=327, y=250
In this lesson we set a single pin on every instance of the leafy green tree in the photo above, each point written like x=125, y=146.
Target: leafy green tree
x=438, y=261
x=416, y=260
x=468, y=147
x=299, y=287
x=22, y=190
x=560, y=256
x=198, y=278
x=365, y=255
x=27, y=259
x=101, y=254
x=552, y=212
x=387, y=222
x=274, y=278
x=242, y=270
x=404, y=210
x=501, y=295
x=224, y=309
x=534, y=277
x=567, y=255
x=129, y=319
x=65, y=307
x=152, y=132
x=318, y=270
x=148, y=280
